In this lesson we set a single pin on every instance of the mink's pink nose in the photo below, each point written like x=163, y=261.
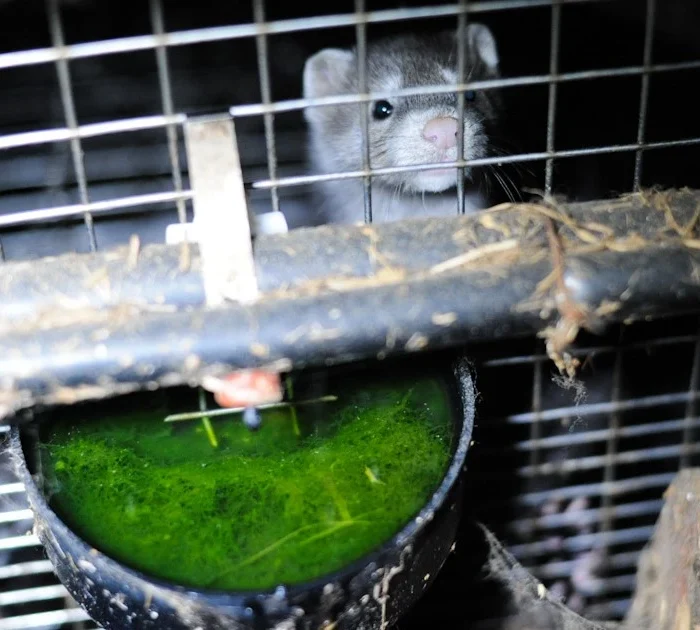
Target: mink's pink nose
x=442, y=132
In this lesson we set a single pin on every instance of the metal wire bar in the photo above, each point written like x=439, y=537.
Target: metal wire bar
x=644, y=95
x=613, y=584
x=536, y=425
x=266, y=96
x=166, y=96
x=588, y=437
x=237, y=31
x=255, y=109
x=585, y=542
x=35, y=594
x=18, y=542
x=563, y=568
x=10, y=571
x=619, y=488
x=361, y=37
x=44, y=619
x=461, y=67
x=592, y=350
x=65, y=211
x=589, y=409
x=611, y=457
x=44, y=214
x=96, y=207
x=605, y=461
x=585, y=517
x=66, y=89
x=11, y=488
x=16, y=516
x=552, y=97
x=616, y=584
x=522, y=157
x=140, y=123
x=92, y=130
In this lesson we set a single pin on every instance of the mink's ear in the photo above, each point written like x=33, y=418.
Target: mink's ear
x=326, y=73
x=482, y=44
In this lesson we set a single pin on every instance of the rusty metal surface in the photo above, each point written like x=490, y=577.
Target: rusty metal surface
x=90, y=326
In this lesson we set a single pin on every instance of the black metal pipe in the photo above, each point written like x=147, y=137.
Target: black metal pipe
x=333, y=295
x=161, y=276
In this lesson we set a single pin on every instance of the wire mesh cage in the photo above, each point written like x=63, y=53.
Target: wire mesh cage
x=102, y=293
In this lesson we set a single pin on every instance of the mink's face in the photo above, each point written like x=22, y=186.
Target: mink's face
x=404, y=131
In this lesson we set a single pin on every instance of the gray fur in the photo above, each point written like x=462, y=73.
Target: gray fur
x=396, y=63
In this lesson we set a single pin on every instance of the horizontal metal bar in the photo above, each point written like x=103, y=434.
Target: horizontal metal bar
x=46, y=214
x=93, y=130
x=238, y=31
x=95, y=207
x=615, y=488
x=563, y=568
x=229, y=411
x=18, y=542
x=290, y=105
x=584, y=542
x=300, y=180
x=44, y=619
x=31, y=138
x=11, y=488
x=64, y=134
x=582, y=518
x=16, y=516
x=589, y=437
x=607, y=585
x=526, y=359
x=21, y=569
x=575, y=464
x=591, y=409
x=35, y=594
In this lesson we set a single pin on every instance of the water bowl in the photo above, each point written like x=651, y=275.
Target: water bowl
x=337, y=512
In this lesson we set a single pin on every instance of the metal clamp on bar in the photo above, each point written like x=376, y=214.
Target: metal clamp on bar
x=221, y=218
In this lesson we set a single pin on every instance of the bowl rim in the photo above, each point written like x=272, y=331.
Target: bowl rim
x=464, y=396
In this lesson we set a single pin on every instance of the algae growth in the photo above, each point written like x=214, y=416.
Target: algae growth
x=286, y=504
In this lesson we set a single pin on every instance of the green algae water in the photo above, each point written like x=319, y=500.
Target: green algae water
x=305, y=495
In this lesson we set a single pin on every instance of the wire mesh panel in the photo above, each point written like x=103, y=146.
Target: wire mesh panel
x=597, y=103
x=579, y=486
x=116, y=103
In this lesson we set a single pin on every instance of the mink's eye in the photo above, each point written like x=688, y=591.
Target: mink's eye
x=382, y=110
x=470, y=95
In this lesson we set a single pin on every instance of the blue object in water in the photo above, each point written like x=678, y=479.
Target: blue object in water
x=251, y=418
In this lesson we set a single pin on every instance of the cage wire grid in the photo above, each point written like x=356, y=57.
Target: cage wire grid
x=160, y=42
x=575, y=496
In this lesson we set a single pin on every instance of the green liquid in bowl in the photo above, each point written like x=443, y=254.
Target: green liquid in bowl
x=298, y=499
